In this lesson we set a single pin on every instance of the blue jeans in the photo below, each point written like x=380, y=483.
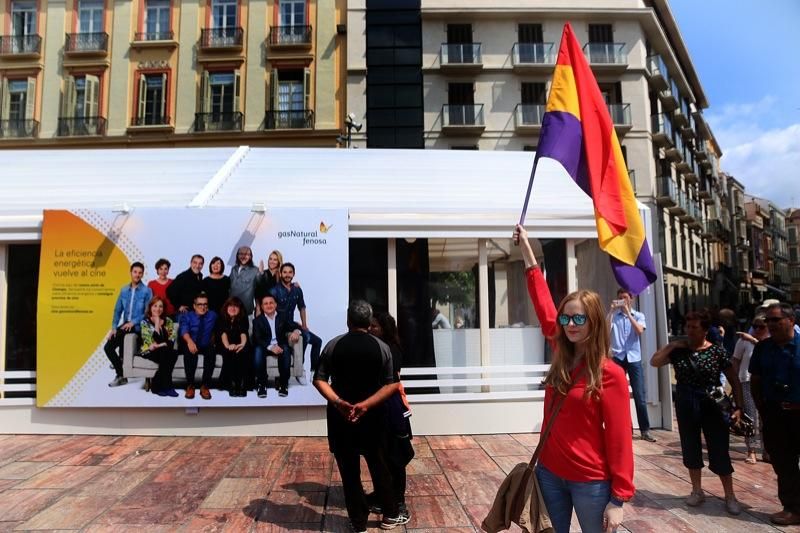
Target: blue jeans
x=260, y=355
x=589, y=498
x=316, y=346
x=636, y=375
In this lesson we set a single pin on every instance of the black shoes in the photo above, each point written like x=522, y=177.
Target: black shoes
x=262, y=391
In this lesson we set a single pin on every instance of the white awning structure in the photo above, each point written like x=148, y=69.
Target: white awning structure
x=395, y=193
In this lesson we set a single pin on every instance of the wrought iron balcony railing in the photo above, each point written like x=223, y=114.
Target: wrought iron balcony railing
x=20, y=44
x=81, y=126
x=289, y=35
x=86, y=42
x=18, y=128
x=150, y=120
x=227, y=121
x=154, y=36
x=289, y=120
x=211, y=38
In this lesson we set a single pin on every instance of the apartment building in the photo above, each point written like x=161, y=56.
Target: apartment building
x=476, y=76
x=170, y=72
x=793, y=241
x=769, y=253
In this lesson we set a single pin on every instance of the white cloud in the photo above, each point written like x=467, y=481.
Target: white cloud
x=765, y=159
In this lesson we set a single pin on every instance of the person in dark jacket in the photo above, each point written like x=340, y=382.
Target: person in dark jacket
x=271, y=337
x=187, y=285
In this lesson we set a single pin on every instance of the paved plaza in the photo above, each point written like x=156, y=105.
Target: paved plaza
x=194, y=484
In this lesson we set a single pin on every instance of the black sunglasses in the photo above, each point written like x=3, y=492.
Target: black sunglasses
x=578, y=320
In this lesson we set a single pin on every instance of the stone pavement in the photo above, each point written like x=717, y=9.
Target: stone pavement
x=192, y=484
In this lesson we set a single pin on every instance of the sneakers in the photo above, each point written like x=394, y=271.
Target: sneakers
x=283, y=392
x=302, y=379
x=648, y=437
x=205, y=393
x=785, y=518
x=390, y=523
x=695, y=498
x=117, y=381
x=172, y=393
x=404, y=513
x=732, y=506
x=189, y=392
x=262, y=391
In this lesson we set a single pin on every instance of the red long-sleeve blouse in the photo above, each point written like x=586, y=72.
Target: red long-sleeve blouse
x=591, y=438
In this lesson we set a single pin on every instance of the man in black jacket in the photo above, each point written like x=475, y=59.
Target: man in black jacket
x=271, y=337
x=187, y=285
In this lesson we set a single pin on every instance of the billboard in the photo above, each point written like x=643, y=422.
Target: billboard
x=86, y=284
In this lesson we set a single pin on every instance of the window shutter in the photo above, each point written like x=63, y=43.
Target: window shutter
x=141, y=109
x=164, y=98
x=91, y=95
x=273, y=90
x=69, y=98
x=5, y=100
x=205, y=94
x=30, y=99
x=306, y=89
x=236, y=84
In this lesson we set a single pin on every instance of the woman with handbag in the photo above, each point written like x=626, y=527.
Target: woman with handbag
x=741, y=364
x=698, y=363
x=586, y=463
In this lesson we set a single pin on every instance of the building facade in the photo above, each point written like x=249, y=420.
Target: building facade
x=793, y=242
x=170, y=72
x=486, y=70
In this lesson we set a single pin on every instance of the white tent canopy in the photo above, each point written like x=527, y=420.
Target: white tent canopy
x=388, y=192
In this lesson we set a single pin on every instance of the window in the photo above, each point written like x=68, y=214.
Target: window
x=290, y=97
x=152, y=100
x=459, y=47
x=461, y=106
x=157, y=20
x=222, y=92
x=530, y=33
x=18, y=98
x=80, y=107
x=90, y=16
x=292, y=13
x=23, y=17
x=223, y=13
x=601, y=33
x=534, y=93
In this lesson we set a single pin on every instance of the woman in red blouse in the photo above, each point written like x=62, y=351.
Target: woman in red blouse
x=160, y=284
x=587, y=461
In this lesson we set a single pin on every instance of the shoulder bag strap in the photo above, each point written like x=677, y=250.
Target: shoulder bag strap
x=556, y=408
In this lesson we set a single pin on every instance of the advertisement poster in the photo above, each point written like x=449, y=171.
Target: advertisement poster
x=87, y=282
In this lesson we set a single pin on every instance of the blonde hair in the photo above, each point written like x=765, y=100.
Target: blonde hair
x=597, y=346
x=278, y=255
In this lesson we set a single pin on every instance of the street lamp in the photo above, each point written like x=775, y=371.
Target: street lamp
x=351, y=124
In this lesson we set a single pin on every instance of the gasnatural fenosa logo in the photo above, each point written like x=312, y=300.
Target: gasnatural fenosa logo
x=308, y=237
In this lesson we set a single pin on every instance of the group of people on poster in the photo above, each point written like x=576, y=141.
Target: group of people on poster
x=245, y=317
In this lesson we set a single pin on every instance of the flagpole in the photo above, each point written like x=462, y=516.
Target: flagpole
x=528, y=194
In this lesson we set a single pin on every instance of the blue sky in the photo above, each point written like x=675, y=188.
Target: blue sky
x=747, y=55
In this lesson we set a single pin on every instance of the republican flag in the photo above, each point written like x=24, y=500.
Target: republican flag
x=577, y=132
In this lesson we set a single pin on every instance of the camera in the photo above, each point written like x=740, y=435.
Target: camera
x=618, y=303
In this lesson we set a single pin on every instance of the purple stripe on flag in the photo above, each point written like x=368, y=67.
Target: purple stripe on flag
x=561, y=139
x=638, y=277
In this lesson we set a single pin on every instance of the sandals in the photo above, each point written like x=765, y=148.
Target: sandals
x=751, y=458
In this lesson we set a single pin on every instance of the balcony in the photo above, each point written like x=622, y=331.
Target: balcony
x=20, y=46
x=461, y=57
x=532, y=57
x=669, y=96
x=666, y=192
x=293, y=36
x=154, y=39
x=18, y=129
x=679, y=208
x=462, y=119
x=81, y=126
x=675, y=151
x=86, y=44
x=704, y=189
x=684, y=162
x=606, y=56
x=528, y=117
x=151, y=123
x=302, y=119
x=212, y=39
x=211, y=122
x=682, y=112
x=657, y=72
x=700, y=151
x=620, y=116
x=661, y=129
x=688, y=129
